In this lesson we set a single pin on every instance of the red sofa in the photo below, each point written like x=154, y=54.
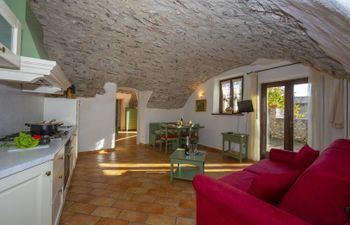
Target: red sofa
x=288, y=188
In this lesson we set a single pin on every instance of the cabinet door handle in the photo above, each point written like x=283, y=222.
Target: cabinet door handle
x=48, y=173
x=3, y=49
x=60, y=177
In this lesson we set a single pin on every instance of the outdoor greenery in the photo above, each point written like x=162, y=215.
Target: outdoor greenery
x=275, y=97
x=276, y=101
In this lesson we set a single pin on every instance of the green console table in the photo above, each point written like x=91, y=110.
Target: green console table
x=237, y=138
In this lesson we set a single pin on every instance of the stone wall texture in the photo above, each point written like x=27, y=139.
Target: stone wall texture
x=170, y=47
x=276, y=129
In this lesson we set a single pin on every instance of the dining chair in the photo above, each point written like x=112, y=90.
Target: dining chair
x=167, y=136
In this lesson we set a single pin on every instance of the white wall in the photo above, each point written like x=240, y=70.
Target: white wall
x=17, y=108
x=148, y=115
x=142, y=120
x=160, y=115
x=97, y=120
x=216, y=124
x=284, y=73
x=62, y=109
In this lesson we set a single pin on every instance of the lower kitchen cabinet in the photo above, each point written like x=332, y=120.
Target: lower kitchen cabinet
x=26, y=197
x=57, y=199
x=33, y=196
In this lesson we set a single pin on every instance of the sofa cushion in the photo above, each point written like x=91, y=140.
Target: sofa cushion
x=269, y=166
x=240, y=180
x=335, y=159
x=305, y=157
x=282, y=155
x=319, y=198
x=271, y=187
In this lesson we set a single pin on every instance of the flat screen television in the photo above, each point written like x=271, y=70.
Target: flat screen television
x=245, y=106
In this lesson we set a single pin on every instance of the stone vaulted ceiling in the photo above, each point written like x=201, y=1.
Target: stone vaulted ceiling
x=171, y=46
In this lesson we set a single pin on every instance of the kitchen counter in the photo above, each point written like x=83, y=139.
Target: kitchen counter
x=12, y=162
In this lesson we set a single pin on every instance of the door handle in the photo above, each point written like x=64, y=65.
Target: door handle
x=48, y=173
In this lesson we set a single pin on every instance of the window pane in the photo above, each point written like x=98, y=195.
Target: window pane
x=5, y=33
x=226, y=96
x=237, y=89
x=275, y=117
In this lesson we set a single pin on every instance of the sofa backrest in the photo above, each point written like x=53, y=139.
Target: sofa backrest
x=321, y=195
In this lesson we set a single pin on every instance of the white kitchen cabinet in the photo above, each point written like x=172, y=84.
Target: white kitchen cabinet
x=57, y=186
x=10, y=38
x=33, y=196
x=25, y=197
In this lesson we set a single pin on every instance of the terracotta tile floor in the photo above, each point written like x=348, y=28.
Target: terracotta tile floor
x=130, y=186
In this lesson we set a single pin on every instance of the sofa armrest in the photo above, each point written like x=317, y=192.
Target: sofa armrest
x=282, y=155
x=220, y=203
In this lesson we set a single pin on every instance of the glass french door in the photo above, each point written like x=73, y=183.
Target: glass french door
x=284, y=118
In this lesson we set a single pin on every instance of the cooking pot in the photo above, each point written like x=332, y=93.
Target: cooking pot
x=44, y=128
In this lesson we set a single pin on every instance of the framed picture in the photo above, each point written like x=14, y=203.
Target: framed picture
x=201, y=105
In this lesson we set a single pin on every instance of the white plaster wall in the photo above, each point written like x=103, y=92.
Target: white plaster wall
x=142, y=125
x=97, y=120
x=148, y=115
x=284, y=73
x=216, y=124
x=161, y=115
x=62, y=109
x=17, y=108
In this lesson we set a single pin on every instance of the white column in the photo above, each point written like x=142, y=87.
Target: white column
x=142, y=124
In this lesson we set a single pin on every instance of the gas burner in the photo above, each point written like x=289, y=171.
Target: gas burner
x=45, y=138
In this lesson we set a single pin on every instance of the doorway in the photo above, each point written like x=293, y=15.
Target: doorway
x=126, y=118
x=284, y=117
x=118, y=114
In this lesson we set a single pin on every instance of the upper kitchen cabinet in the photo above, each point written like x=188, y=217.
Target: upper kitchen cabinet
x=32, y=32
x=36, y=72
x=10, y=38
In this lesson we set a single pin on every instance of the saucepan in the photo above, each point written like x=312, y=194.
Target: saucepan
x=44, y=128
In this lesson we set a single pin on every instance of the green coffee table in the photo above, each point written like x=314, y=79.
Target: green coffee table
x=185, y=172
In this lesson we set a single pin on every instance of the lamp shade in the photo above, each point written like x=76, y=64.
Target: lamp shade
x=245, y=106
